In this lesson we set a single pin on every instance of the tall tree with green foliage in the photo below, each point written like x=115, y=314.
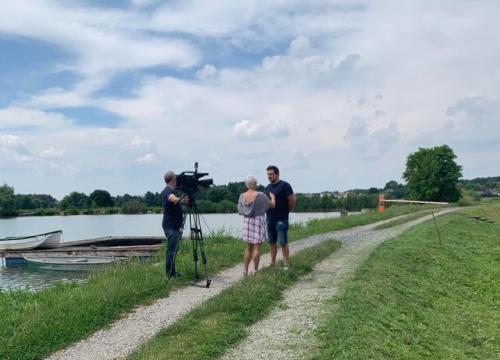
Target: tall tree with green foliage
x=101, y=198
x=432, y=174
x=75, y=200
x=7, y=201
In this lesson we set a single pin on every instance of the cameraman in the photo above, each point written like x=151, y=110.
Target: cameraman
x=172, y=221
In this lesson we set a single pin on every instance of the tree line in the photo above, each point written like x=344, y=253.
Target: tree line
x=216, y=199
x=431, y=174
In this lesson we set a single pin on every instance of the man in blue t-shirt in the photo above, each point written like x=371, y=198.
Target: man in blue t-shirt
x=172, y=221
x=277, y=217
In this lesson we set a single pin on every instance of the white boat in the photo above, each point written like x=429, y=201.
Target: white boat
x=48, y=240
x=73, y=263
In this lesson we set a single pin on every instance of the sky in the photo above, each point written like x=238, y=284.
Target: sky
x=111, y=94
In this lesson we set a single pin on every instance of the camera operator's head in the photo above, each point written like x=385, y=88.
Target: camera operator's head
x=251, y=182
x=170, y=179
x=273, y=174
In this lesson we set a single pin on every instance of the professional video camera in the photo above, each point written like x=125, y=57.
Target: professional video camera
x=189, y=181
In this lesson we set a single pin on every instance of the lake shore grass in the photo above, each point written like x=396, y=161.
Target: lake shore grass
x=35, y=324
x=415, y=298
x=210, y=329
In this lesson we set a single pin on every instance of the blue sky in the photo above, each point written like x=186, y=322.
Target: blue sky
x=110, y=94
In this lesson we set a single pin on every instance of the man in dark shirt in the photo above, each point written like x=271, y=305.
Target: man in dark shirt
x=277, y=217
x=172, y=221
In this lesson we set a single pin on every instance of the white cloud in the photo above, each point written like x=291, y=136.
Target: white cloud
x=371, y=142
x=138, y=143
x=147, y=159
x=52, y=153
x=300, y=46
x=208, y=71
x=12, y=148
x=258, y=131
x=141, y=3
x=17, y=117
x=101, y=42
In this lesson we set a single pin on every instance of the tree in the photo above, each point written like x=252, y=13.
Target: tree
x=151, y=199
x=101, y=198
x=432, y=174
x=394, y=190
x=7, y=201
x=74, y=200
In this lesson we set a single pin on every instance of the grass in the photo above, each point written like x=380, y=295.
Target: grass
x=220, y=323
x=37, y=324
x=489, y=211
x=416, y=299
x=404, y=220
x=320, y=226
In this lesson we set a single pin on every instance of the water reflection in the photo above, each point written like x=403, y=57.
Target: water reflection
x=15, y=277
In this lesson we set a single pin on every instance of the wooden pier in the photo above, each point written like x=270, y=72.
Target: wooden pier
x=125, y=246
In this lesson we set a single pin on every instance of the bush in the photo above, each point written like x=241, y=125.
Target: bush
x=133, y=207
x=45, y=212
x=71, y=211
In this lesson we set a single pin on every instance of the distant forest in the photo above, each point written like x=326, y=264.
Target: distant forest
x=215, y=199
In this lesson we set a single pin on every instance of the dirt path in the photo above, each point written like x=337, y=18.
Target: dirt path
x=288, y=333
x=125, y=335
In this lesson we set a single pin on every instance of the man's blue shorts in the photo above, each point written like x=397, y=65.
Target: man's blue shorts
x=277, y=231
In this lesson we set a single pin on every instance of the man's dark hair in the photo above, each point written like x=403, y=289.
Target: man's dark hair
x=274, y=169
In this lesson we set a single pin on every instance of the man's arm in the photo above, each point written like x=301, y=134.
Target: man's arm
x=175, y=199
x=292, y=201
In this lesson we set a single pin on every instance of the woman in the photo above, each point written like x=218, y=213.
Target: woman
x=253, y=205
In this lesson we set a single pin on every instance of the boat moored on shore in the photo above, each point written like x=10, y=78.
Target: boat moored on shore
x=72, y=263
x=49, y=240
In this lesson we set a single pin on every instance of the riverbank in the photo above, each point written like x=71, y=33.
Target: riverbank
x=70, y=312
x=416, y=297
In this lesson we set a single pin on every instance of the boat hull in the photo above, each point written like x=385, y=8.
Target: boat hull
x=71, y=263
x=42, y=241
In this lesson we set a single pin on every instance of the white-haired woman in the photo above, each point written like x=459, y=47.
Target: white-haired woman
x=253, y=205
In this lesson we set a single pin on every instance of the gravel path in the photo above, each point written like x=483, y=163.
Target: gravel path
x=125, y=335
x=288, y=332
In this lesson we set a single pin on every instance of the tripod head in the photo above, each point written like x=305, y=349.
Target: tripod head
x=190, y=181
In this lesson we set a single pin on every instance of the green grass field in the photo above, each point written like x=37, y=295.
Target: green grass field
x=34, y=325
x=416, y=299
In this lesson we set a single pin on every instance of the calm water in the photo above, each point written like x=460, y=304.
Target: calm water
x=91, y=226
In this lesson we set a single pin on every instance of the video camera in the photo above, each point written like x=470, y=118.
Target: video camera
x=189, y=181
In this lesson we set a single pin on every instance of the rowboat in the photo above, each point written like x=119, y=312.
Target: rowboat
x=48, y=240
x=71, y=263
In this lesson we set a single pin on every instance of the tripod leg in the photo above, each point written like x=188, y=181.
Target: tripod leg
x=197, y=241
x=195, y=254
x=204, y=262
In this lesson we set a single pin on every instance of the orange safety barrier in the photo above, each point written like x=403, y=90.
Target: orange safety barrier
x=381, y=203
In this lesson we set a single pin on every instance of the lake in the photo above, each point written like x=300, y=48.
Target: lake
x=91, y=226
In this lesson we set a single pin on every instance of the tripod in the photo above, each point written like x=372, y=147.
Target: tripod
x=193, y=215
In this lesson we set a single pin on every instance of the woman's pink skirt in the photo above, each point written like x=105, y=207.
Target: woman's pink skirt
x=254, y=230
